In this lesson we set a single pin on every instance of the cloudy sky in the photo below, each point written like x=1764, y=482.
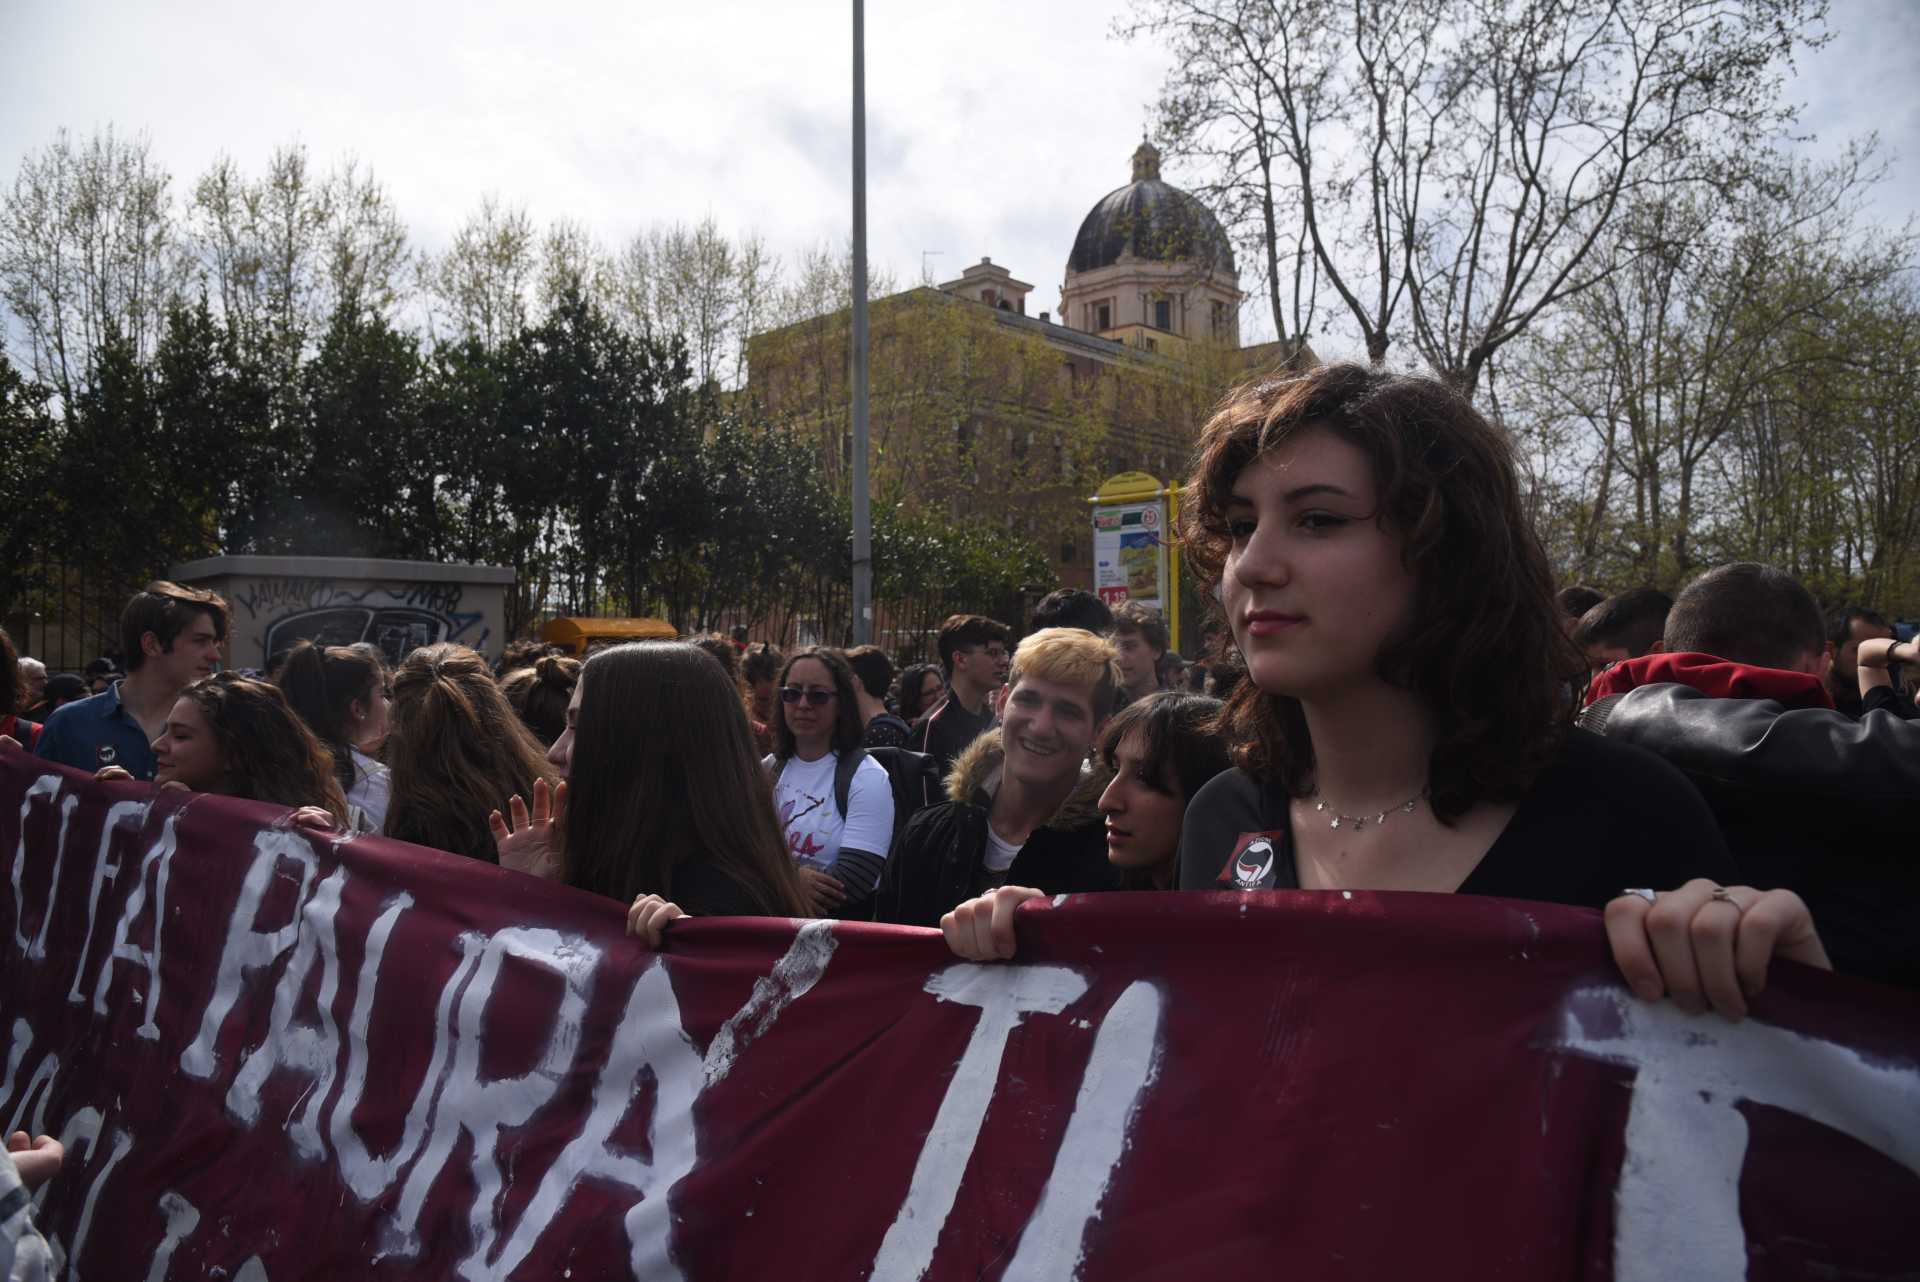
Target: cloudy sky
x=992, y=126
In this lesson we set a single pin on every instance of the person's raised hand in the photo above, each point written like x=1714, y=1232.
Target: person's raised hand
x=982, y=929
x=1709, y=946
x=531, y=843
x=37, y=1159
x=113, y=774
x=649, y=916
x=824, y=891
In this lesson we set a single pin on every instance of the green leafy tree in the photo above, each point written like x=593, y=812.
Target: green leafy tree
x=28, y=485
x=369, y=487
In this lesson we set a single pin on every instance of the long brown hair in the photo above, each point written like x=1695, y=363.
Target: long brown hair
x=457, y=751
x=1482, y=649
x=321, y=684
x=266, y=750
x=686, y=788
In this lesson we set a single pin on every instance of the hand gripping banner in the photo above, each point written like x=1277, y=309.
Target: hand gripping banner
x=275, y=1057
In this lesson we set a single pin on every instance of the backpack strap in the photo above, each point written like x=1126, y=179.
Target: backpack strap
x=843, y=772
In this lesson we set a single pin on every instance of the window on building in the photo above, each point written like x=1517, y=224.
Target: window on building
x=1102, y=317
x=1150, y=344
x=986, y=296
x=1219, y=317
x=1163, y=313
x=1068, y=551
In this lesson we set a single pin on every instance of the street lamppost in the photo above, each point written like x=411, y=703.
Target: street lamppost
x=862, y=517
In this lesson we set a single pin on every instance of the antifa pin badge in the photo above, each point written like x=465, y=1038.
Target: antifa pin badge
x=1250, y=867
x=105, y=755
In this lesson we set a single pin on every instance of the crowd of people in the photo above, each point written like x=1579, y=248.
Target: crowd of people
x=1396, y=698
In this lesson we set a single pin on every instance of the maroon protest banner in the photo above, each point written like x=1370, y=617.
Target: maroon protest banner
x=273, y=1056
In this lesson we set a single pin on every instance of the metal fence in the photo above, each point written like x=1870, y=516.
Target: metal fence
x=74, y=619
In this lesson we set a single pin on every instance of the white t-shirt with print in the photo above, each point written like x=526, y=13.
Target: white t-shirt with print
x=803, y=798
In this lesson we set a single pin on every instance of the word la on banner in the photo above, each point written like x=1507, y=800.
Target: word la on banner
x=275, y=1056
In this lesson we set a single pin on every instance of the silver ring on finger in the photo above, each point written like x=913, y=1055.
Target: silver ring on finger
x=1722, y=895
x=1644, y=892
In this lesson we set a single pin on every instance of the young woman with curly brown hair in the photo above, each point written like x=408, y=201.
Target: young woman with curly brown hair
x=237, y=737
x=1404, y=724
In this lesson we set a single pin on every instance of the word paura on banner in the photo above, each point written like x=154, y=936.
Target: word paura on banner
x=322, y=1015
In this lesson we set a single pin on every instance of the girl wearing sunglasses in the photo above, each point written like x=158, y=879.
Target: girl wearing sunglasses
x=840, y=845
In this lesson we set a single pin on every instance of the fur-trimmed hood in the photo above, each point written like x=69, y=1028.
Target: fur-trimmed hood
x=976, y=773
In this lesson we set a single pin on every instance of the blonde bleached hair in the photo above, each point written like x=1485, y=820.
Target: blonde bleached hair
x=1070, y=657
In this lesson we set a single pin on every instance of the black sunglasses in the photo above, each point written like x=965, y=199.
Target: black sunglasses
x=793, y=694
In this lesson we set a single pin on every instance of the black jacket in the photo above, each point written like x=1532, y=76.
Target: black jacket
x=1810, y=800
x=939, y=857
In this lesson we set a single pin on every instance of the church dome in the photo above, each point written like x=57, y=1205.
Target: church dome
x=1149, y=220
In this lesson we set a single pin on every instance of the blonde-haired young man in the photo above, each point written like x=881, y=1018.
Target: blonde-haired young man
x=1023, y=802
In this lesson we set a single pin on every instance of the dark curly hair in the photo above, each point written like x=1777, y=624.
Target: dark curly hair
x=1482, y=648
x=267, y=751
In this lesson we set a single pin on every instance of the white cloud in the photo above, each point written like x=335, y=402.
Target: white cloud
x=990, y=131
x=992, y=128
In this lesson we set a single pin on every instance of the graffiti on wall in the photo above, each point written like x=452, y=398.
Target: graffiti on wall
x=396, y=617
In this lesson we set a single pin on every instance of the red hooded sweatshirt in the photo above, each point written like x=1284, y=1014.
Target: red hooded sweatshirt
x=1716, y=678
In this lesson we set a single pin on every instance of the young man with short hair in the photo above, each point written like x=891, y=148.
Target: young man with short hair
x=1140, y=640
x=171, y=636
x=1024, y=801
x=973, y=652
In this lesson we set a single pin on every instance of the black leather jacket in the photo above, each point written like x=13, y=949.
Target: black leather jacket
x=1810, y=800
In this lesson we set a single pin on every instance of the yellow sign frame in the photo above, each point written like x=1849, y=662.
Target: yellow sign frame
x=1142, y=487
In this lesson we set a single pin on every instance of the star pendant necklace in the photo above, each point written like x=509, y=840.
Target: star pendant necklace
x=1356, y=822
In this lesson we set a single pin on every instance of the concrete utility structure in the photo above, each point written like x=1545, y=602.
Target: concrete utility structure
x=396, y=605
